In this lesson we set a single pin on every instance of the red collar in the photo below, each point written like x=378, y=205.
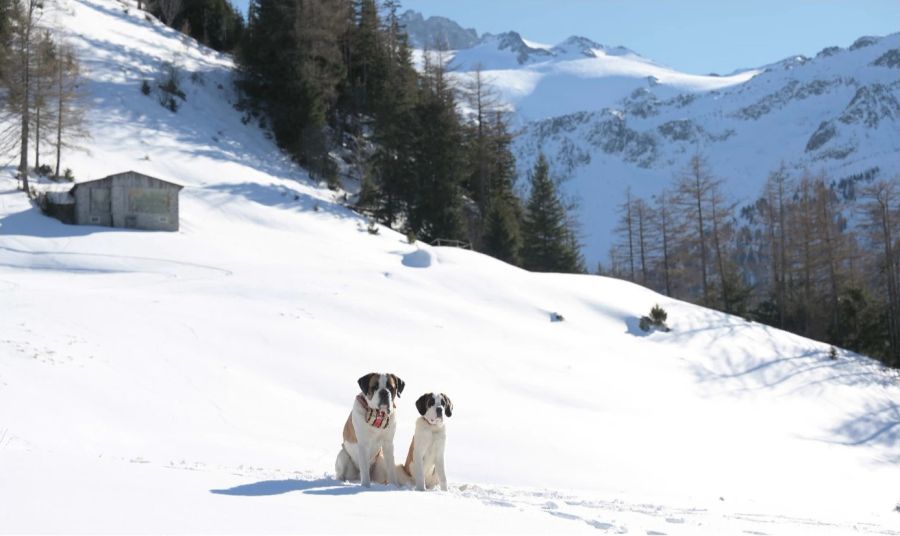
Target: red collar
x=374, y=417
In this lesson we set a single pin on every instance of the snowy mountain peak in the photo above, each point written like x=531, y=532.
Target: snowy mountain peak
x=789, y=63
x=500, y=51
x=513, y=42
x=579, y=46
x=510, y=50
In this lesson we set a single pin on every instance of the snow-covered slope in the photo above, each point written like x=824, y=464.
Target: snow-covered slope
x=198, y=381
x=578, y=74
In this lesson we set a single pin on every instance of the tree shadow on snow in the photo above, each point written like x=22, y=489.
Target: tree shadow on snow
x=876, y=425
x=196, y=127
x=751, y=366
x=320, y=486
x=280, y=196
x=812, y=371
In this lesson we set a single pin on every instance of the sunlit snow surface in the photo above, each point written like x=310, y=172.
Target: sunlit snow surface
x=198, y=381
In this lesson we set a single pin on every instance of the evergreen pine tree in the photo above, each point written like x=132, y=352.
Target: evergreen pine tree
x=8, y=13
x=396, y=130
x=549, y=244
x=503, y=239
x=215, y=23
x=435, y=207
x=320, y=66
x=270, y=64
x=368, y=69
x=503, y=235
x=293, y=66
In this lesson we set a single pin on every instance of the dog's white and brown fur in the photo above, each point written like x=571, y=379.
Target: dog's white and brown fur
x=424, y=465
x=367, y=452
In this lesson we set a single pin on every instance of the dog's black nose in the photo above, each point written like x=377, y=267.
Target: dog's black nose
x=439, y=411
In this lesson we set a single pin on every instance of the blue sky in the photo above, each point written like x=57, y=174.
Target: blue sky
x=697, y=36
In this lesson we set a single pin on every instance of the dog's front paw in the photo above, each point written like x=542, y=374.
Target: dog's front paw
x=444, y=486
x=420, y=488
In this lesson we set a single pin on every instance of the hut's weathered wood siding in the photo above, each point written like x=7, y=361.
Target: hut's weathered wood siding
x=128, y=199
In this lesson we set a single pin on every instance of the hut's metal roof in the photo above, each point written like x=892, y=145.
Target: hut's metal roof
x=126, y=172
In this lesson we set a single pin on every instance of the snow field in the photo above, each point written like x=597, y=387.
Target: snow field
x=198, y=381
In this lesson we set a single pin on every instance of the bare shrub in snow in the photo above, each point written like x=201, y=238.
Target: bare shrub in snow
x=170, y=87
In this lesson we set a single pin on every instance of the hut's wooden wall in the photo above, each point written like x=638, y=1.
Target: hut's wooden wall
x=128, y=200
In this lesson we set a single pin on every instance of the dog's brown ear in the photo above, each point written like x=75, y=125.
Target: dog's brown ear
x=448, y=406
x=422, y=403
x=399, y=383
x=364, y=383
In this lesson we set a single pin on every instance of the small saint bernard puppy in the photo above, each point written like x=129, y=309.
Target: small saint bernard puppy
x=425, y=461
x=367, y=452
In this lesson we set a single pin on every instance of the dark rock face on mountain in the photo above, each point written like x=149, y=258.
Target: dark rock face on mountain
x=870, y=106
x=890, y=59
x=863, y=42
x=820, y=137
x=512, y=42
x=437, y=32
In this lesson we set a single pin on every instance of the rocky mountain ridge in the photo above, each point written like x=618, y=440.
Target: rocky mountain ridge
x=608, y=118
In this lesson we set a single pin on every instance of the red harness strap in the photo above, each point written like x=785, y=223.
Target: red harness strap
x=375, y=417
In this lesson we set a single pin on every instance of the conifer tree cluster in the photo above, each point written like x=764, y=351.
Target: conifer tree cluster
x=217, y=24
x=811, y=255
x=329, y=75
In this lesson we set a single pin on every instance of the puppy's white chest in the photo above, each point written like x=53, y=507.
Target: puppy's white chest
x=432, y=443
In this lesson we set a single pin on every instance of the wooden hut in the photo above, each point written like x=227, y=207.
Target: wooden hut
x=128, y=199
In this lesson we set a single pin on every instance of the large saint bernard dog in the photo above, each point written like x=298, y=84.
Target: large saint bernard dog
x=367, y=452
x=425, y=461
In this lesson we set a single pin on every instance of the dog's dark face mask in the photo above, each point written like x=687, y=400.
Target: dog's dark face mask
x=433, y=407
x=381, y=391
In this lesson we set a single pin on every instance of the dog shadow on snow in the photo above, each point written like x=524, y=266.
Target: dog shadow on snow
x=320, y=486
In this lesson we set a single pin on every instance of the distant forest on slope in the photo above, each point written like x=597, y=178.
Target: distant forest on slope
x=811, y=255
